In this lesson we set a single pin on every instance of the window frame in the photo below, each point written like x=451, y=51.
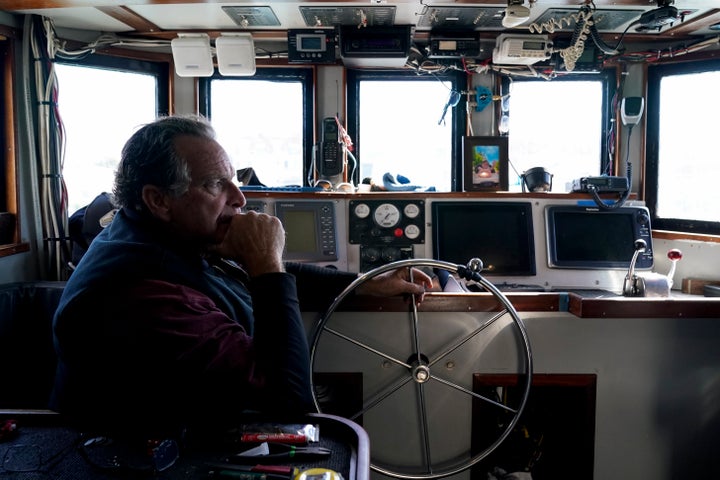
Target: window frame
x=10, y=203
x=304, y=75
x=609, y=89
x=458, y=125
x=655, y=74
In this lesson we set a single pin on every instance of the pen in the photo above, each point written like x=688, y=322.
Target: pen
x=238, y=475
x=256, y=472
x=245, y=475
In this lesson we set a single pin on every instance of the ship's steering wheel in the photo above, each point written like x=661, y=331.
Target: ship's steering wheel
x=428, y=380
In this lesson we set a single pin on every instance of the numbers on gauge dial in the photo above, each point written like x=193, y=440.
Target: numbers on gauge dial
x=387, y=215
x=412, y=231
x=362, y=210
x=411, y=210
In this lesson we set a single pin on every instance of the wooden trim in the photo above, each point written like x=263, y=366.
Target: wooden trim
x=703, y=20
x=9, y=156
x=699, y=237
x=130, y=18
x=7, y=250
x=455, y=302
x=624, y=307
x=582, y=307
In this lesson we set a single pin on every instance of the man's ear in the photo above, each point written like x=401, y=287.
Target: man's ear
x=156, y=201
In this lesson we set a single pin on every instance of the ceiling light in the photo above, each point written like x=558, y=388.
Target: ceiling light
x=192, y=55
x=515, y=14
x=235, y=54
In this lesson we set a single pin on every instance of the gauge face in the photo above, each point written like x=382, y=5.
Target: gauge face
x=411, y=210
x=387, y=215
x=412, y=231
x=362, y=210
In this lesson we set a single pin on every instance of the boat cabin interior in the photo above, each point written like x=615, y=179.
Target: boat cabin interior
x=551, y=163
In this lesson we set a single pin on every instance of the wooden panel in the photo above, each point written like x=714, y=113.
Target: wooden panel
x=455, y=302
x=615, y=307
x=694, y=286
x=130, y=18
x=622, y=307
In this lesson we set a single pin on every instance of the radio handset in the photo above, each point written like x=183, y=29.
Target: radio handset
x=631, y=110
x=331, y=153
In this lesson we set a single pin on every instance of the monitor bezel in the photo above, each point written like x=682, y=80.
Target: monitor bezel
x=321, y=229
x=529, y=269
x=639, y=219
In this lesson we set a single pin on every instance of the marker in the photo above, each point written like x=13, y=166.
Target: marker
x=245, y=475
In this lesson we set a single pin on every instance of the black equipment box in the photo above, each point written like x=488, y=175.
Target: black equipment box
x=601, y=184
x=391, y=41
x=453, y=47
x=311, y=45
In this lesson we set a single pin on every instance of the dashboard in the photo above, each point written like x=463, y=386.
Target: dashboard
x=510, y=234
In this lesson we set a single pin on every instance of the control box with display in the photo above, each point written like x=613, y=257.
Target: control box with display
x=512, y=49
x=386, y=230
x=453, y=47
x=311, y=45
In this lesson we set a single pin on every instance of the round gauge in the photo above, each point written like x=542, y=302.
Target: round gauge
x=387, y=215
x=362, y=210
x=411, y=210
x=412, y=231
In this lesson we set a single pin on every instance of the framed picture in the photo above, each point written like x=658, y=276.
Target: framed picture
x=485, y=163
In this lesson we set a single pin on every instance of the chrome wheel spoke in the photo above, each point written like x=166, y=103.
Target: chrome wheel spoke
x=467, y=338
x=473, y=394
x=367, y=347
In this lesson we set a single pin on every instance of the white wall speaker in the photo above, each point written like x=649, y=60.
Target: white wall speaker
x=192, y=55
x=235, y=54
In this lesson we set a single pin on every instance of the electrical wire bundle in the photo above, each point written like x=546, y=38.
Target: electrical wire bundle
x=50, y=147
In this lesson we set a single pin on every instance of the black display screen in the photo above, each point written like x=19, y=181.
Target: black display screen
x=311, y=43
x=579, y=237
x=498, y=233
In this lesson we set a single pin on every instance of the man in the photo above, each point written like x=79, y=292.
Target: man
x=182, y=312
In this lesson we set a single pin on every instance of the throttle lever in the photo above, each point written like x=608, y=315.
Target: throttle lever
x=633, y=285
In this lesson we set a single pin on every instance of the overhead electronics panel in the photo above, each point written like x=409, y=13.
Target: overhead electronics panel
x=486, y=18
x=252, y=16
x=564, y=19
x=375, y=46
x=371, y=16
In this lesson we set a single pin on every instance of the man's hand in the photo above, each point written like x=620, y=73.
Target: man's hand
x=256, y=241
x=398, y=282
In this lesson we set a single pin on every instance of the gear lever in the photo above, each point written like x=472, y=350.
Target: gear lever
x=633, y=285
x=650, y=284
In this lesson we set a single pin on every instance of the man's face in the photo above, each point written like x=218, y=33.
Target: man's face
x=203, y=213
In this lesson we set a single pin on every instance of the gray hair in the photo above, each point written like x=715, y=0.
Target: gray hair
x=149, y=158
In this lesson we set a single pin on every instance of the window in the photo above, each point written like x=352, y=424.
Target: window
x=558, y=125
x=394, y=122
x=102, y=102
x=264, y=121
x=682, y=164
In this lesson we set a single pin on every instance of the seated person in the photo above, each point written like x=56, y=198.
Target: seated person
x=182, y=312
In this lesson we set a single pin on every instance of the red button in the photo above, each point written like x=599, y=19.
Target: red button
x=398, y=232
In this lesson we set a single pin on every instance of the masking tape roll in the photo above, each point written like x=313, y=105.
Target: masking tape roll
x=319, y=474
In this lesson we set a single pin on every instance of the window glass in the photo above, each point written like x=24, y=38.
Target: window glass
x=681, y=188
x=685, y=188
x=100, y=109
x=401, y=132
x=557, y=125
x=262, y=123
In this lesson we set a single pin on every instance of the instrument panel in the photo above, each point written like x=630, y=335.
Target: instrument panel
x=385, y=230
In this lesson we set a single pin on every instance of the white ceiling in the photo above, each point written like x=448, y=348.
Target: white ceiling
x=169, y=16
